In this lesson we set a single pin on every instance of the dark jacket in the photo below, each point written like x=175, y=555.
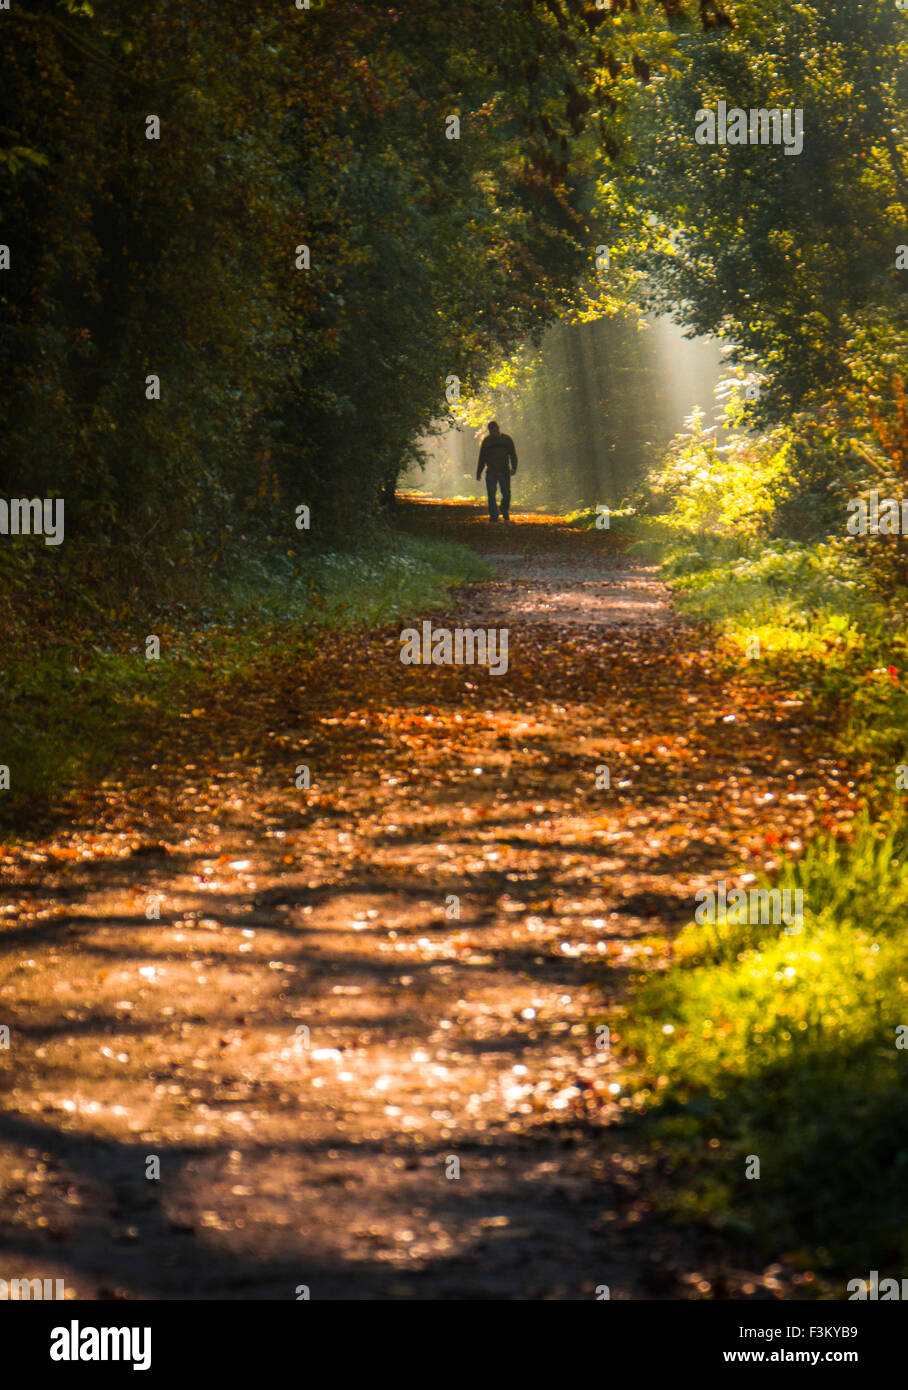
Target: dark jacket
x=497, y=453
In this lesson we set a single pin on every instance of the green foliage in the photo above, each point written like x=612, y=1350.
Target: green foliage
x=429, y=257
x=722, y=487
x=177, y=257
x=621, y=520
x=757, y=1041
x=784, y=1046
x=789, y=256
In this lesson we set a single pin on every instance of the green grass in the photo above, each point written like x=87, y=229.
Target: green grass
x=71, y=710
x=758, y=1042
x=783, y=1046
x=621, y=520
x=821, y=625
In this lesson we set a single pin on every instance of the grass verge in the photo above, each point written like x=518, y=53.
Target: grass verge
x=790, y=1047
x=72, y=707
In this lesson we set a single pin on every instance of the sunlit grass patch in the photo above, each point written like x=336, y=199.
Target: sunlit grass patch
x=621, y=520
x=820, y=626
x=831, y=640
x=784, y=1046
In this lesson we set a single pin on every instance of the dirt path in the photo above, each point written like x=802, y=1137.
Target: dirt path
x=324, y=1160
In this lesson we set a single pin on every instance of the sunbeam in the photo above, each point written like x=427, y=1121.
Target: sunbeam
x=597, y=406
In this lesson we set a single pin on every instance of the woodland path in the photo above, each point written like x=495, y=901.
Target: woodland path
x=429, y=1038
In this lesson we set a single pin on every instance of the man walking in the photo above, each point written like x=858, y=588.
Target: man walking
x=498, y=457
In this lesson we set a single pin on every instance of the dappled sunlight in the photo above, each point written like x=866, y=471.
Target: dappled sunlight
x=307, y=998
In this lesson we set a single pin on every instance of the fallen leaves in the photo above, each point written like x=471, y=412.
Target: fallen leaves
x=426, y=783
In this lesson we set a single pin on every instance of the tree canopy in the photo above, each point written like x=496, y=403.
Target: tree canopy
x=254, y=254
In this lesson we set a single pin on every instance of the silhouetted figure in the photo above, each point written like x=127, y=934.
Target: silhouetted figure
x=498, y=457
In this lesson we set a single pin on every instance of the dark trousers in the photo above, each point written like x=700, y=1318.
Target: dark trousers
x=494, y=481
